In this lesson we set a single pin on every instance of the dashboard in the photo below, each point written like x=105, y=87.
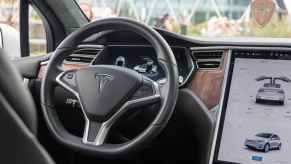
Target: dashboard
x=201, y=67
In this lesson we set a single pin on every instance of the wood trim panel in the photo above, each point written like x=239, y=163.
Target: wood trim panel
x=207, y=84
x=43, y=68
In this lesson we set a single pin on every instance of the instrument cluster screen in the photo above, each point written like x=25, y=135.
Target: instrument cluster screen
x=143, y=60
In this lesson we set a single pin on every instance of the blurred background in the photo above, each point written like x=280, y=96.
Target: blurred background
x=194, y=18
x=200, y=18
x=9, y=22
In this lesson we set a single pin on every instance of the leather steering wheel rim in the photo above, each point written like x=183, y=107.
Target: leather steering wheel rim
x=168, y=92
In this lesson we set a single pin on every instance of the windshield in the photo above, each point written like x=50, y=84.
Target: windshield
x=201, y=18
x=264, y=135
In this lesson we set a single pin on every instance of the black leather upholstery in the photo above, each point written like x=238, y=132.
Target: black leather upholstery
x=28, y=66
x=18, y=120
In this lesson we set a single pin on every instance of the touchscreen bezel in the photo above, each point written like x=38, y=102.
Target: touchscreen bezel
x=224, y=98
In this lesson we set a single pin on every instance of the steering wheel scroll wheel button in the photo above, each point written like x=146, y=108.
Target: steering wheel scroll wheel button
x=69, y=78
x=143, y=91
x=146, y=90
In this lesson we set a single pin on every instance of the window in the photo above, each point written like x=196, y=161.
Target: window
x=37, y=35
x=201, y=18
x=9, y=27
x=275, y=137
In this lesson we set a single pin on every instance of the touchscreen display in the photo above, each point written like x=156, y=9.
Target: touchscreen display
x=257, y=121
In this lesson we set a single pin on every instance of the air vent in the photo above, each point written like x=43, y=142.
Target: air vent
x=207, y=59
x=83, y=55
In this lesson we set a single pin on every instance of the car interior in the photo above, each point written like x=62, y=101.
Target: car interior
x=115, y=90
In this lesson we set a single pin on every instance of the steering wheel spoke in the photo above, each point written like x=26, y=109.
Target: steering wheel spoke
x=95, y=133
x=148, y=93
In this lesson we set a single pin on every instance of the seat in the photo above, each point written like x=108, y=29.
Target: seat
x=18, y=119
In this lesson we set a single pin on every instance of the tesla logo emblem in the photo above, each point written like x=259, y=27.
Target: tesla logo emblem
x=102, y=81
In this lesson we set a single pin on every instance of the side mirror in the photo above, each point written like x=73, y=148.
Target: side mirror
x=10, y=41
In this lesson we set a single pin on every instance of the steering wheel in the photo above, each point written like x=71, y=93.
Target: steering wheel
x=106, y=92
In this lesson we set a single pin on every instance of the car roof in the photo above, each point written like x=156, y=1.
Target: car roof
x=266, y=133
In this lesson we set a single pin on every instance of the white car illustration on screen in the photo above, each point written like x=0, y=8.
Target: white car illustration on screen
x=264, y=142
x=271, y=93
